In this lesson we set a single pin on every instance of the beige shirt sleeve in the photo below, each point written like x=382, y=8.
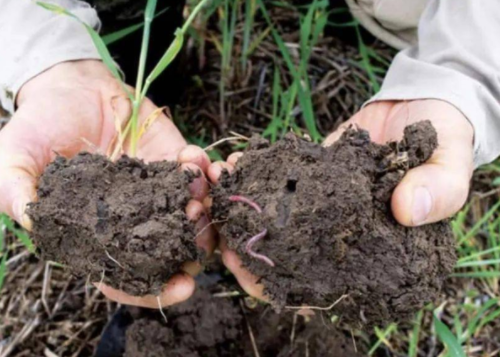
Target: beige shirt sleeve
x=33, y=39
x=455, y=58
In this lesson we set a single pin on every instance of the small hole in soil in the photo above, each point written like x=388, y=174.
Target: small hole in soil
x=291, y=185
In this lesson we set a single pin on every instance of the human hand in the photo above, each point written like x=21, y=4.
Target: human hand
x=72, y=108
x=428, y=193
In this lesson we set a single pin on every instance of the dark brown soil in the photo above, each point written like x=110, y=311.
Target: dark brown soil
x=330, y=227
x=219, y=327
x=123, y=223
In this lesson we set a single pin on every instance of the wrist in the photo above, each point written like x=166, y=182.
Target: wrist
x=64, y=74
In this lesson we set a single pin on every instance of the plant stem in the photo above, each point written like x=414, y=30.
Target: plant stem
x=148, y=18
x=191, y=17
x=134, y=134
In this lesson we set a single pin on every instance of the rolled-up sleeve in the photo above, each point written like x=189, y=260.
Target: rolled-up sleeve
x=33, y=39
x=457, y=60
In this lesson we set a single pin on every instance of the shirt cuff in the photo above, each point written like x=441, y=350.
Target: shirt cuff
x=53, y=39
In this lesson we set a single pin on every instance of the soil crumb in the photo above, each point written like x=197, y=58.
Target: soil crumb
x=330, y=230
x=211, y=326
x=121, y=223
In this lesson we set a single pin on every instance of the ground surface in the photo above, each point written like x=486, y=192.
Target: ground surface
x=214, y=326
x=47, y=312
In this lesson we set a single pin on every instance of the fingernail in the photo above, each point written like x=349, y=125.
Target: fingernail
x=19, y=211
x=26, y=223
x=422, y=205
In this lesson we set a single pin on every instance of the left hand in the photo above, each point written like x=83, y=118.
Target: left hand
x=70, y=108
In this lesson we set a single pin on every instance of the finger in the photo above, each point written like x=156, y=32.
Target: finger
x=216, y=169
x=233, y=158
x=192, y=268
x=21, y=163
x=195, y=210
x=17, y=189
x=205, y=233
x=247, y=280
x=179, y=288
x=199, y=187
x=205, y=236
x=430, y=193
x=196, y=155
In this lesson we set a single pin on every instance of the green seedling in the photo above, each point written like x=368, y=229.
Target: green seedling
x=131, y=131
x=311, y=27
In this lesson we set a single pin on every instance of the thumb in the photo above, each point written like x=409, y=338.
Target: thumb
x=21, y=160
x=17, y=189
x=433, y=191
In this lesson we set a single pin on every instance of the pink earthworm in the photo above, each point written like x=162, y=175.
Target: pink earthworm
x=256, y=238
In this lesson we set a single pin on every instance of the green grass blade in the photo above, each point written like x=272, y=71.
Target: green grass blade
x=171, y=53
x=473, y=231
x=478, y=263
x=365, y=60
x=478, y=254
x=477, y=274
x=415, y=335
x=382, y=335
x=149, y=14
x=173, y=50
x=474, y=323
x=448, y=339
x=303, y=90
x=116, y=36
x=120, y=34
x=103, y=52
x=250, y=8
x=59, y=10
x=19, y=233
x=3, y=270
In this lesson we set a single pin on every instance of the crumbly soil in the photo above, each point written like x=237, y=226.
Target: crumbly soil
x=329, y=225
x=219, y=327
x=121, y=223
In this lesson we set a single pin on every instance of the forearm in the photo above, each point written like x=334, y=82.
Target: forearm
x=34, y=39
x=456, y=60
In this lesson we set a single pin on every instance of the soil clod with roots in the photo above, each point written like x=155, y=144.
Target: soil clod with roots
x=329, y=227
x=122, y=223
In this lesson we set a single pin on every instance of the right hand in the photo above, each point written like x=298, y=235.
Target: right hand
x=70, y=108
x=444, y=178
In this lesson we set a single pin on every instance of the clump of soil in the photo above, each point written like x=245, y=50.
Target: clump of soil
x=203, y=323
x=330, y=231
x=217, y=327
x=122, y=223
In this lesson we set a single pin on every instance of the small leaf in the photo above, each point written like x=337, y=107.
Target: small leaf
x=120, y=34
x=448, y=339
x=168, y=57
